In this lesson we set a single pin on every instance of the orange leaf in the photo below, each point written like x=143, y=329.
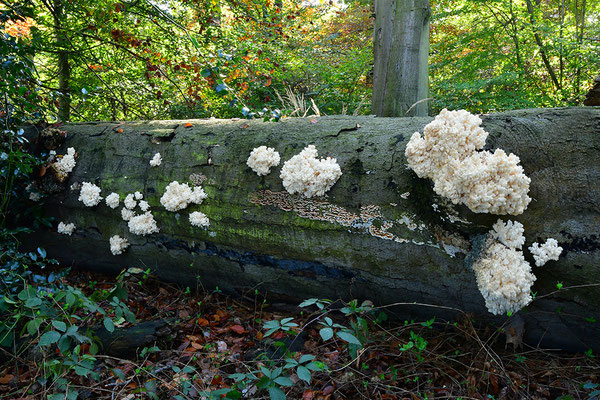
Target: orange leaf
x=196, y=345
x=237, y=329
x=202, y=322
x=43, y=170
x=6, y=378
x=268, y=82
x=308, y=395
x=188, y=125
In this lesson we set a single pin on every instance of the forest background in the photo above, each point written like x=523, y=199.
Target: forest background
x=83, y=60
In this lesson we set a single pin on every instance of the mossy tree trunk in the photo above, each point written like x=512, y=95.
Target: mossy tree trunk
x=401, y=57
x=380, y=233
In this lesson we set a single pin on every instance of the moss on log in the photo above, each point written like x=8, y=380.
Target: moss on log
x=380, y=233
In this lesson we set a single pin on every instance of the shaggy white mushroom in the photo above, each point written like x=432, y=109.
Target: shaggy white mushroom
x=144, y=206
x=130, y=202
x=64, y=165
x=199, y=219
x=90, y=194
x=118, y=245
x=262, y=159
x=66, y=229
x=156, y=160
x=143, y=224
x=504, y=278
x=509, y=234
x=305, y=174
x=112, y=200
x=545, y=252
x=178, y=196
x=483, y=181
x=127, y=214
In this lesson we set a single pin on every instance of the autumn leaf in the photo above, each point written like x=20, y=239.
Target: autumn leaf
x=188, y=125
x=238, y=329
x=5, y=379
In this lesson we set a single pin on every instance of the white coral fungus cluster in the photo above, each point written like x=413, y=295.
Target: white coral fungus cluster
x=112, y=200
x=545, y=252
x=509, y=234
x=143, y=224
x=144, y=206
x=305, y=174
x=118, y=245
x=130, y=202
x=65, y=165
x=127, y=214
x=199, y=219
x=178, y=196
x=503, y=276
x=448, y=154
x=262, y=159
x=90, y=194
x=66, y=229
x=156, y=160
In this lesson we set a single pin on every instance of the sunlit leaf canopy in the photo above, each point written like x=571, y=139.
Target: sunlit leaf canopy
x=196, y=59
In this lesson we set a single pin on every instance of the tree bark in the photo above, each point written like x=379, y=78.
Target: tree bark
x=401, y=50
x=380, y=234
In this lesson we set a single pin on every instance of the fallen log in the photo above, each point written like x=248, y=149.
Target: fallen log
x=380, y=234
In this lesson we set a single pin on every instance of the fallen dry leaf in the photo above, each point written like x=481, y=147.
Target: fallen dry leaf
x=238, y=329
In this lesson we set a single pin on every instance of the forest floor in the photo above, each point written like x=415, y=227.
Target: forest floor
x=208, y=345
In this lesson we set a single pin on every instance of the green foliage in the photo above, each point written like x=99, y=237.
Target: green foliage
x=490, y=55
x=40, y=315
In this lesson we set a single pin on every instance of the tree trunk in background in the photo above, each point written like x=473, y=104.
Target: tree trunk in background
x=379, y=234
x=401, y=50
x=64, y=69
x=592, y=98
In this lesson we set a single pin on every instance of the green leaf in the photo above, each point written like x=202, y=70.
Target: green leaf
x=284, y=381
x=109, y=325
x=276, y=394
x=315, y=366
x=33, y=326
x=308, y=302
x=348, y=337
x=59, y=325
x=33, y=302
x=64, y=344
x=42, y=252
x=206, y=72
x=49, y=338
x=118, y=373
x=303, y=373
x=82, y=371
x=306, y=357
x=326, y=333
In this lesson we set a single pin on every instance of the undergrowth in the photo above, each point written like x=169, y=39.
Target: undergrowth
x=61, y=332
